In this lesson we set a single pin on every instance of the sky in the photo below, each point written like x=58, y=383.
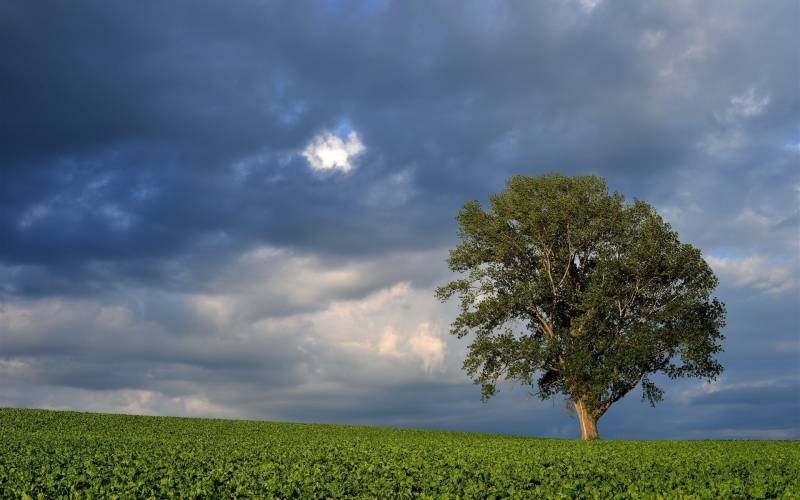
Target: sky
x=241, y=209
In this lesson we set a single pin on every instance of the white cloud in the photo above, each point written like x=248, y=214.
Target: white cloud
x=424, y=345
x=701, y=388
x=328, y=152
x=301, y=324
x=118, y=219
x=146, y=402
x=731, y=134
x=269, y=279
x=397, y=323
x=749, y=218
x=689, y=53
x=723, y=144
x=755, y=271
x=32, y=215
x=651, y=39
x=720, y=384
x=215, y=309
x=387, y=345
x=747, y=105
x=113, y=317
x=428, y=346
x=264, y=165
x=793, y=147
x=589, y=5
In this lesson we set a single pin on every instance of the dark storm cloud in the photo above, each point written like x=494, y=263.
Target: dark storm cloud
x=768, y=406
x=146, y=148
x=123, y=122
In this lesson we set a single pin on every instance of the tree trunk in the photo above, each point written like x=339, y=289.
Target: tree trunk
x=587, y=421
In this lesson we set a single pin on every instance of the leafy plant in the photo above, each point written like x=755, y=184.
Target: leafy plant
x=46, y=454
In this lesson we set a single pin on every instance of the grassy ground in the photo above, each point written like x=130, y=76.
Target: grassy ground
x=66, y=454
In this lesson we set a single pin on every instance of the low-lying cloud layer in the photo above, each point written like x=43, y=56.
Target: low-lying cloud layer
x=242, y=210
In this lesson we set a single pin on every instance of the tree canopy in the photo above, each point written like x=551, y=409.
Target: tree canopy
x=574, y=291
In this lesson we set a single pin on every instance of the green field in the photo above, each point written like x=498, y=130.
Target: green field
x=66, y=454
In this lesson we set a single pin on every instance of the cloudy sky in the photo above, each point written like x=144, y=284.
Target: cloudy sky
x=241, y=209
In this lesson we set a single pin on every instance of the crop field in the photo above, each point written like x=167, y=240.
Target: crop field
x=48, y=454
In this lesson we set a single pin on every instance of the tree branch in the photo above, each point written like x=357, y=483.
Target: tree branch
x=617, y=395
x=623, y=309
x=548, y=266
x=546, y=326
x=657, y=308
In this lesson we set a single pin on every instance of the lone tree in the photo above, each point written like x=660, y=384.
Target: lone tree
x=574, y=290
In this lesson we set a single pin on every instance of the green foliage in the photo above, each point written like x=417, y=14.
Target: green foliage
x=574, y=291
x=46, y=454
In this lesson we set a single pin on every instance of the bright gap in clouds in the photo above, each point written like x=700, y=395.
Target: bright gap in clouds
x=328, y=152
